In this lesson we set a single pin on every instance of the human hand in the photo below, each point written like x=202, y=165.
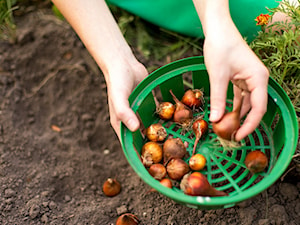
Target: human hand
x=122, y=79
x=229, y=58
x=97, y=28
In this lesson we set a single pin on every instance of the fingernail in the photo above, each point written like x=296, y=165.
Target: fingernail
x=132, y=124
x=214, y=115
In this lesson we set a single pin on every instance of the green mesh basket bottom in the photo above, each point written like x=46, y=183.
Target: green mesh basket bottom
x=276, y=136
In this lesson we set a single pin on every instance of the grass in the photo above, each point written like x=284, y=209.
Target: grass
x=279, y=50
x=7, y=25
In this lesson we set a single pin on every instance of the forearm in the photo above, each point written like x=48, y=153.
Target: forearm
x=98, y=30
x=229, y=58
x=215, y=17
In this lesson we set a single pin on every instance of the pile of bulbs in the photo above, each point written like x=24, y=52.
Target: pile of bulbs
x=163, y=156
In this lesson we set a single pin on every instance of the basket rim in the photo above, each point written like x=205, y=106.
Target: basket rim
x=274, y=89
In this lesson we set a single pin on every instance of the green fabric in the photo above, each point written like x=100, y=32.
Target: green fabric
x=180, y=15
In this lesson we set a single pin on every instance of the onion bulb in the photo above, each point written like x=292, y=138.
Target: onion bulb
x=177, y=168
x=228, y=125
x=196, y=184
x=151, y=153
x=111, y=187
x=127, y=219
x=166, y=182
x=256, y=161
x=197, y=162
x=165, y=110
x=183, y=114
x=193, y=98
x=173, y=148
x=157, y=171
x=156, y=132
x=199, y=127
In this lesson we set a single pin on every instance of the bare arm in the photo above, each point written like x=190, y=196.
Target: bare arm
x=94, y=23
x=98, y=30
x=228, y=57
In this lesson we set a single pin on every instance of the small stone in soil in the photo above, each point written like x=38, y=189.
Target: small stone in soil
x=278, y=213
x=288, y=190
x=52, y=205
x=44, y=218
x=34, y=211
x=8, y=193
x=67, y=198
x=106, y=151
x=263, y=222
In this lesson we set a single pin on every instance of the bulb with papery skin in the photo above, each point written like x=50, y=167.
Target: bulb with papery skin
x=197, y=162
x=183, y=114
x=177, y=168
x=157, y=171
x=228, y=125
x=165, y=110
x=151, y=153
x=200, y=127
x=193, y=98
x=166, y=182
x=156, y=132
x=196, y=184
x=127, y=219
x=111, y=187
x=173, y=148
x=256, y=161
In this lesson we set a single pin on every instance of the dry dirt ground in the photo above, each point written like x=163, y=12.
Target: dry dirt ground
x=53, y=175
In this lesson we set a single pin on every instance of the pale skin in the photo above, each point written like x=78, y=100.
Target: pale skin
x=227, y=57
x=98, y=30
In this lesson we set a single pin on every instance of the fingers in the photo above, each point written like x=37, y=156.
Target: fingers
x=237, y=98
x=129, y=119
x=218, y=95
x=259, y=96
x=120, y=111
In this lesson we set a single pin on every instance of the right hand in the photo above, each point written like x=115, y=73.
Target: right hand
x=229, y=58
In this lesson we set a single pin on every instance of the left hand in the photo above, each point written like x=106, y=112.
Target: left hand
x=121, y=81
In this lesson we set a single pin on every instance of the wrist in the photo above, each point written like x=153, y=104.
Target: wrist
x=214, y=16
x=120, y=66
x=113, y=58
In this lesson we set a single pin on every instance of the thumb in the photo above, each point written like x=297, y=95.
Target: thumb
x=129, y=119
x=125, y=114
x=218, y=95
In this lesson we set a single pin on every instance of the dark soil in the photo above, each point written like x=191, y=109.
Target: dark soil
x=57, y=146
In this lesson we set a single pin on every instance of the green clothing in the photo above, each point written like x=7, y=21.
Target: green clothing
x=181, y=16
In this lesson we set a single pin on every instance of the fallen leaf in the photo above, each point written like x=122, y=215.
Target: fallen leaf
x=55, y=128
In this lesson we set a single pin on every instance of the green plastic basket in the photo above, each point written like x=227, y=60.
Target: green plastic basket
x=276, y=136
